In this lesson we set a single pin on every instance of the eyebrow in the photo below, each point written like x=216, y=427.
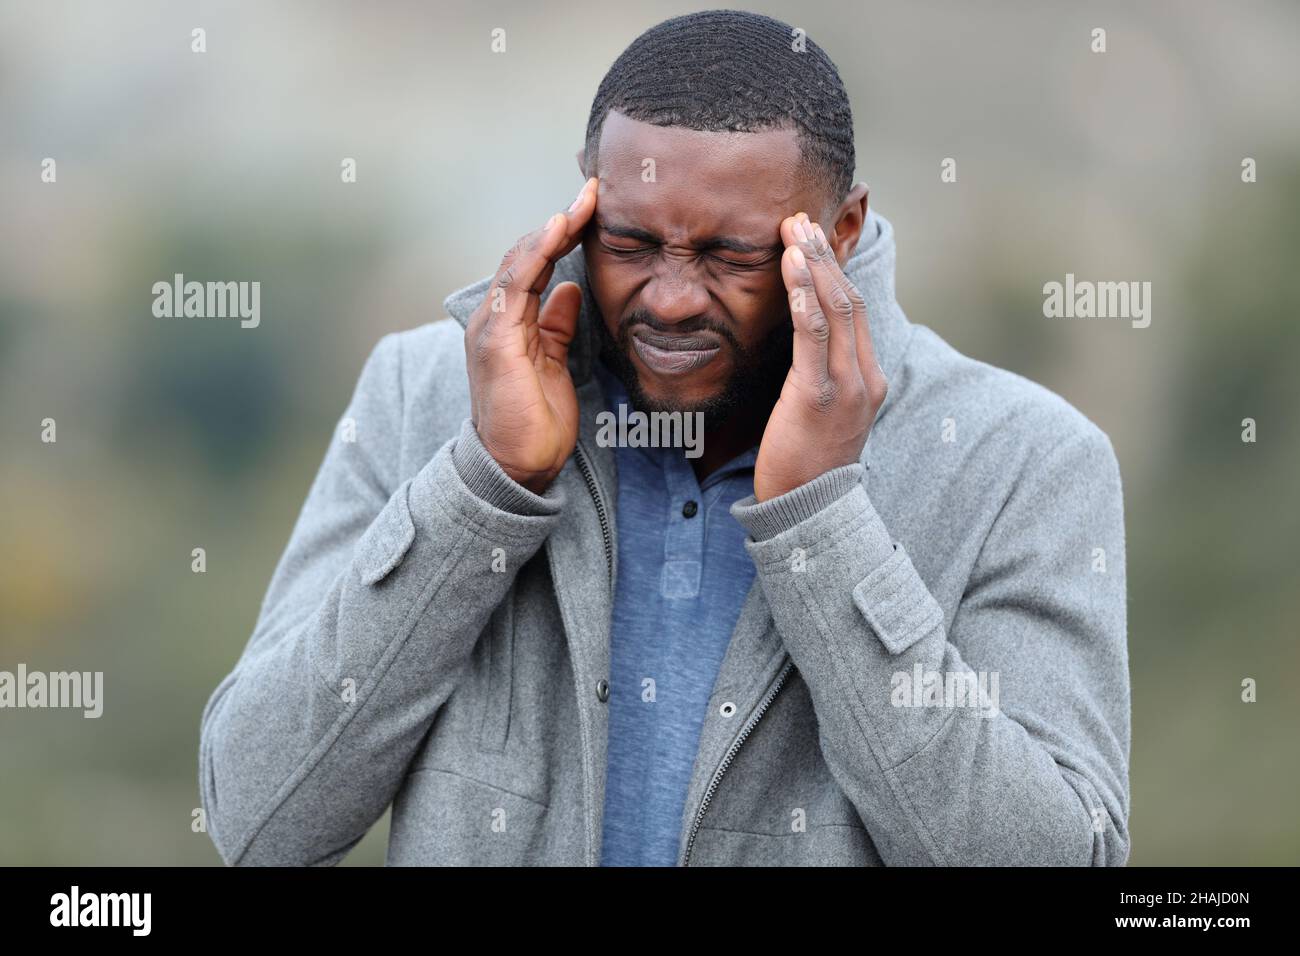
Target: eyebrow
x=730, y=243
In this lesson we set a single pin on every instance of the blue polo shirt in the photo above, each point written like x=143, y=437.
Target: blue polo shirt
x=683, y=574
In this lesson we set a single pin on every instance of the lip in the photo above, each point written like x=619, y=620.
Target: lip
x=673, y=354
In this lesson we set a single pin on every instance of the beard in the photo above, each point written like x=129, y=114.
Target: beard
x=755, y=382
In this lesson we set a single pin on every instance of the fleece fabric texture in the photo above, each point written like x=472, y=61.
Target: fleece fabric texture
x=436, y=638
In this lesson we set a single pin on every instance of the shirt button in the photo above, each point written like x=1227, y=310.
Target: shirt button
x=689, y=509
x=602, y=690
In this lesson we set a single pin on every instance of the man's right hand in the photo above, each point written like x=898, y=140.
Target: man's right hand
x=522, y=399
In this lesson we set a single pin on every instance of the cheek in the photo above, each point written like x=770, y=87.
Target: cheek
x=611, y=285
x=756, y=308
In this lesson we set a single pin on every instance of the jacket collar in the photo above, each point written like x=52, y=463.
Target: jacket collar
x=870, y=268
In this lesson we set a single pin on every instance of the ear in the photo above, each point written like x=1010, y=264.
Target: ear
x=582, y=161
x=848, y=222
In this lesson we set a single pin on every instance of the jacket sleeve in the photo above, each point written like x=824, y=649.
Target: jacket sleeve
x=369, y=619
x=1035, y=770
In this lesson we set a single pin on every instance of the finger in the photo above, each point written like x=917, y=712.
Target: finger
x=504, y=306
x=523, y=264
x=577, y=216
x=558, y=321
x=839, y=300
x=526, y=269
x=811, y=329
x=562, y=240
x=872, y=374
x=868, y=365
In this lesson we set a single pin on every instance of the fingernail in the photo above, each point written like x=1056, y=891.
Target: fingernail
x=796, y=256
x=799, y=232
x=818, y=229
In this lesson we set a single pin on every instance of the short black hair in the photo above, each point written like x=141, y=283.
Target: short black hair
x=728, y=70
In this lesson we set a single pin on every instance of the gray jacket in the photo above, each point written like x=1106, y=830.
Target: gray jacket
x=436, y=636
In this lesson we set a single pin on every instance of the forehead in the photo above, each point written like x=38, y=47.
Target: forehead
x=740, y=183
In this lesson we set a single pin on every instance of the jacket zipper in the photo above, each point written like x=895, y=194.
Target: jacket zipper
x=580, y=457
x=731, y=755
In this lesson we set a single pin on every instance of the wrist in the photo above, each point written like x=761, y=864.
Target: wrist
x=537, y=484
x=484, y=476
x=535, y=480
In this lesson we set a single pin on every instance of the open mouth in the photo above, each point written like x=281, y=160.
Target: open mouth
x=674, y=354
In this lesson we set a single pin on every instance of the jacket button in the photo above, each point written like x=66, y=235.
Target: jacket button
x=602, y=690
x=727, y=709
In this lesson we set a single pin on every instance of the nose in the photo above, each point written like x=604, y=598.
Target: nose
x=674, y=293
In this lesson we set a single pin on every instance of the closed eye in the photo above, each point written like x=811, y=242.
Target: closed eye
x=632, y=251
x=608, y=242
x=626, y=250
x=738, y=264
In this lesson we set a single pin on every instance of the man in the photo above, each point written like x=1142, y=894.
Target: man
x=876, y=617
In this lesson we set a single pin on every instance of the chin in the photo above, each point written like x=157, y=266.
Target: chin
x=689, y=392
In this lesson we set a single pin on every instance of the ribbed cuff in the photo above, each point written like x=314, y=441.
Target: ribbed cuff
x=767, y=519
x=486, y=479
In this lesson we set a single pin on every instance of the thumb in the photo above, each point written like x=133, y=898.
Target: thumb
x=558, y=320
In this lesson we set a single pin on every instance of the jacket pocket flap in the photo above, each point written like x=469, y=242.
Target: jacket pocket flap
x=896, y=603
x=387, y=540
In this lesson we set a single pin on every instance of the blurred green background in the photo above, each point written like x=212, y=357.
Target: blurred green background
x=178, y=434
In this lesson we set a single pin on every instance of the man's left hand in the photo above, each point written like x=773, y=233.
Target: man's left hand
x=834, y=387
